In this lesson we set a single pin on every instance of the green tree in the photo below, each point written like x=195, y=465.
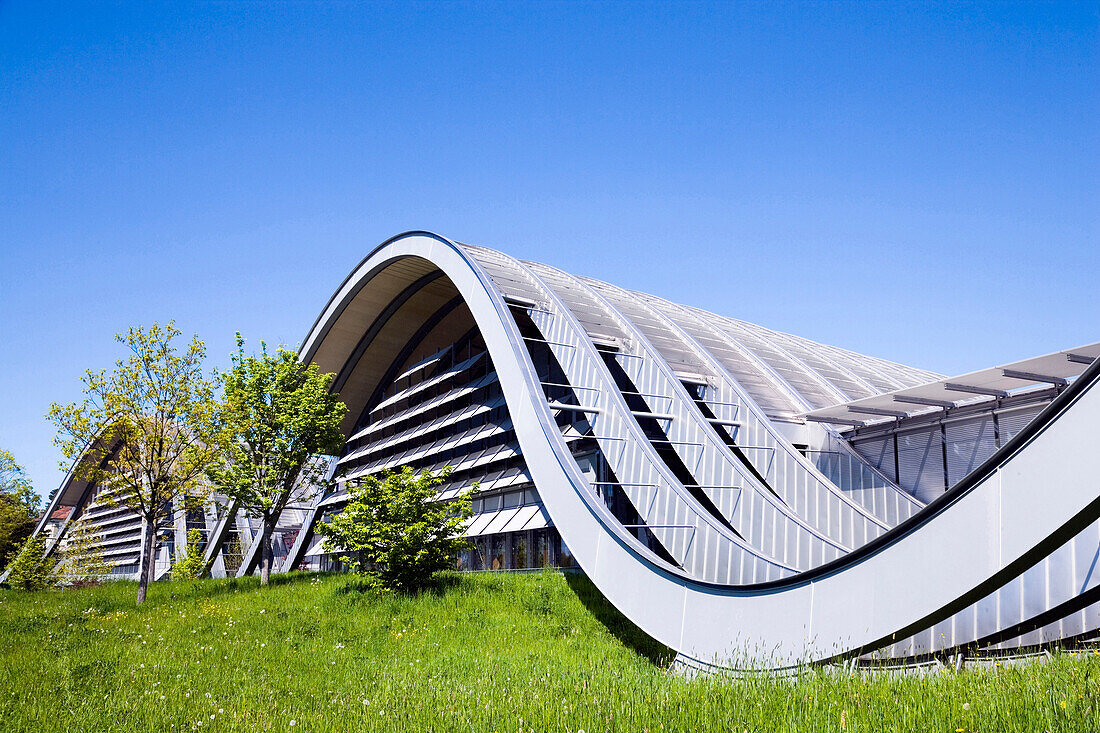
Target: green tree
x=395, y=531
x=31, y=569
x=275, y=417
x=189, y=563
x=18, y=507
x=142, y=432
x=81, y=560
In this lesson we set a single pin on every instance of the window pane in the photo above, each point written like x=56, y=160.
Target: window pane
x=542, y=559
x=565, y=557
x=519, y=550
x=497, y=561
x=479, y=555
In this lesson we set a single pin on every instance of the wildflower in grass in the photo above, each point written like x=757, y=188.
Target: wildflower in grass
x=966, y=706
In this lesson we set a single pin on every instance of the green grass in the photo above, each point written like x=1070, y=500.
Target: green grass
x=486, y=653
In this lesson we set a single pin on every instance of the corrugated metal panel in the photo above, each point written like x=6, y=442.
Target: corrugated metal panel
x=1013, y=421
x=920, y=459
x=879, y=452
x=969, y=442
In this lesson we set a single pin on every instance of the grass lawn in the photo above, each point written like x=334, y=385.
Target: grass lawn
x=488, y=652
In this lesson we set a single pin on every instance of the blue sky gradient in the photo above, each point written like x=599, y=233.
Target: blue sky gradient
x=914, y=181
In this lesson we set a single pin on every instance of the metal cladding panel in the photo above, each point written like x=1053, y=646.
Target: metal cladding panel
x=522, y=519
x=816, y=380
x=879, y=452
x=1034, y=375
x=852, y=512
x=691, y=536
x=860, y=372
x=765, y=522
x=749, y=372
x=879, y=372
x=1013, y=421
x=920, y=460
x=969, y=444
x=500, y=521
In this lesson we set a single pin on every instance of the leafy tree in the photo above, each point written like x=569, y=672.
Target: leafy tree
x=18, y=507
x=396, y=532
x=142, y=433
x=81, y=560
x=190, y=564
x=31, y=569
x=275, y=416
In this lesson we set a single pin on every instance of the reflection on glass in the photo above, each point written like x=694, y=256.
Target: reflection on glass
x=497, y=552
x=565, y=557
x=463, y=560
x=519, y=550
x=479, y=554
x=542, y=544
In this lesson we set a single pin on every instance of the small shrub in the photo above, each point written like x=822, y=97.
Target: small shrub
x=189, y=564
x=395, y=532
x=31, y=569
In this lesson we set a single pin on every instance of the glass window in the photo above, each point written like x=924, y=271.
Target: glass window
x=565, y=557
x=587, y=464
x=519, y=550
x=462, y=562
x=542, y=549
x=513, y=499
x=479, y=555
x=496, y=561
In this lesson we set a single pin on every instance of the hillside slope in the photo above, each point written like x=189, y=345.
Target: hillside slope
x=487, y=652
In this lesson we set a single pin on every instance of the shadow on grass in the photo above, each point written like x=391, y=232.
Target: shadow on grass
x=619, y=625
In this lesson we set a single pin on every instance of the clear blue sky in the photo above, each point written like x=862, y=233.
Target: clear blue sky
x=913, y=181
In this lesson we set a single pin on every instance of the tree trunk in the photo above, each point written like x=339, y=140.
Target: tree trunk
x=265, y=551
x=148, y=559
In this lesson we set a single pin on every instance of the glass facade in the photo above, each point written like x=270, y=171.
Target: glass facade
x=525, y=550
